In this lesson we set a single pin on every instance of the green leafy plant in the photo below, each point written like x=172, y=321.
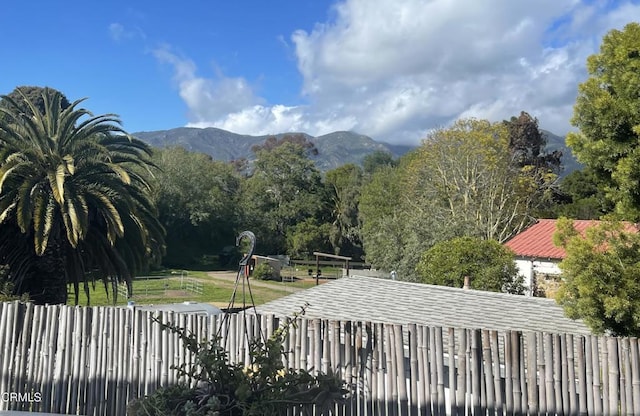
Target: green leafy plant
x=601, y=276
x=489, y=264
x=264, y=387
x=7, y=287
x=264, y=271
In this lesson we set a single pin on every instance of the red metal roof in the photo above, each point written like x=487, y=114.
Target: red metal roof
x=537, y=240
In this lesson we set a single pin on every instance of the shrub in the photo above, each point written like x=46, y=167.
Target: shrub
x=264, y=271
x=264, y=387
x=7, y=287
x=489, y=264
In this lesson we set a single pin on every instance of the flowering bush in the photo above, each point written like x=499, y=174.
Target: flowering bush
x=263, y=388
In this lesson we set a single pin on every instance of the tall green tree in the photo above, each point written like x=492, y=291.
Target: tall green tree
x=464, y=176
x=284, y=189
x=582, y=197
x=306, y=237
x=75, y=199
x=345, y=183
x=376, y=160
x=607, y=113
x=462, y=181
x=198, y=204
x=488, y=264
x=394, y=234
x=528, y=145
x=22, y=96
x=601, y=277
x=539, y=168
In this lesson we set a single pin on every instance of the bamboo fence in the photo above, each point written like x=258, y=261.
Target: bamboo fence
x=94, y=360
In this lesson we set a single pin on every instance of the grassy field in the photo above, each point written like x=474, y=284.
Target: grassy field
x=197, y=286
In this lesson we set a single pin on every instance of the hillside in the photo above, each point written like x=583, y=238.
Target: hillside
x=569, y=162
x=334, y=149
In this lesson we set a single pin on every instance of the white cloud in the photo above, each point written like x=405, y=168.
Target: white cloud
x=119, y=33
x=395, y=69
x=210, y=101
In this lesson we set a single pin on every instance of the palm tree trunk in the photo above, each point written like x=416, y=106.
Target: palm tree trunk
x=49, y=281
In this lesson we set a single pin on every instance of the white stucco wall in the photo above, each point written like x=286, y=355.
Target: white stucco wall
x=527, y=267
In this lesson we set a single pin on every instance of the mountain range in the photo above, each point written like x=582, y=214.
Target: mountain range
x=334, y=149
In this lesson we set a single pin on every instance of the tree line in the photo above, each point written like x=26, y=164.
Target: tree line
x=81, y=200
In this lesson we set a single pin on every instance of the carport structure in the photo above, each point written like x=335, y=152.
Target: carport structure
x=319, y=254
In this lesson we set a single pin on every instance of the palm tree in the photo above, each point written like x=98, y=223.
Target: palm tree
x=75, y=199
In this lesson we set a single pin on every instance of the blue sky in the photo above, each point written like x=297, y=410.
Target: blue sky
x=390, y=69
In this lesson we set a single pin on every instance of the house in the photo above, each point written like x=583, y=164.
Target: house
x=371, y=299
x=538, y=258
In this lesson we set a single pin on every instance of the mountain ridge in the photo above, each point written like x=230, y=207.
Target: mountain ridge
x=334, y=149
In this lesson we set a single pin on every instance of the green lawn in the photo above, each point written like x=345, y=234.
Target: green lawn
x=197, y=286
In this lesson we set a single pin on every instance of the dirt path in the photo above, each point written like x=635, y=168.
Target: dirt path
x=231, y=277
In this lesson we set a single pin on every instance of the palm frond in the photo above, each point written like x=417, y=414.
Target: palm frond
x=80, y=183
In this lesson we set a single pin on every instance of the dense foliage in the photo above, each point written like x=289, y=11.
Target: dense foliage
x=601, y=275
x=607, y=112
x=263, y=388
x=198, y=200
x=466, y=180
x=344, y=186
x=284, y=189
x=75, y=198
x=488, y=264
x=22, y=96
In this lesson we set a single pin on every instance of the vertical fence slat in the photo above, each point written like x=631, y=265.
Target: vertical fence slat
x=336, y=362
x=453, y=409
x=392, y=395
x=614, y=375
x=476, y=370
x=440, y=371
x=531, y=371
x=571, y=373
x=414, y=367
x=549, y=374
x=564, y=375
x=508, y=373
x=462, y=372
x=515, y=371
x=542, y=375
x=606, y=410
x=488, y=371
x=497, y=377
x=557, y=373
x=22, y=352
x=5, y=318
x=598, y=377
x=380, y=370
x=304, y=343
x=34, y=352
x=582, y=376
x=6, y=333
x=628, y=390
x=423, y=378
x=635, y=375
x=589, y=375
x=433, y=380
x=401, y=377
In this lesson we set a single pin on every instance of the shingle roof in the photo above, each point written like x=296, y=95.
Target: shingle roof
x=359, y=298
x=537, y=240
